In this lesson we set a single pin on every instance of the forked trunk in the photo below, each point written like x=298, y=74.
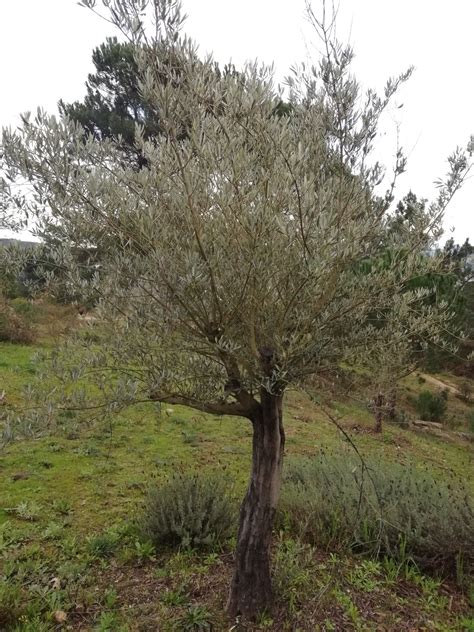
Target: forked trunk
x=251, y=590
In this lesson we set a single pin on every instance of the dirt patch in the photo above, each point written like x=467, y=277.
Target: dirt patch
x=141, y=591
x=438, y=383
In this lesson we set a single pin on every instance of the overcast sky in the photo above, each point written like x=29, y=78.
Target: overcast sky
x=46, y=45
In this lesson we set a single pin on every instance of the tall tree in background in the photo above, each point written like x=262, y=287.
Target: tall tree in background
x=113, y=105
x=459, y=269
x=406, y=218
x=239, y=273
x=458, y=256
x=451, y=284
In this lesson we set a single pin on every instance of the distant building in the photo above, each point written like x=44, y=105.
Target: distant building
x=8, y=241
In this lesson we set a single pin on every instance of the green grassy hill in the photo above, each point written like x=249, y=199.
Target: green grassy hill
x=70, y=558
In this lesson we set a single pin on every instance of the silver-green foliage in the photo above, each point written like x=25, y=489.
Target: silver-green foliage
x=247, y=230
x=190, y=511
x=381, y=508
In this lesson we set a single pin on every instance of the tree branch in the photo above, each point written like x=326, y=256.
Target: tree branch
x=234, y=409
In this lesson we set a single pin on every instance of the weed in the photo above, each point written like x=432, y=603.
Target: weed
x=211, y=559
x=72, y=571
x=62, y=506
x=467, y=624
x=26, y=510
x=139, y=552
x=103, y=545
x=350, y=608
x=10, y=536
x=392, y=569
x=108, y=622
x=88, y=450
x=180, y=563
x=366, y=576
x=161, y=573
x=179, y=421
x=190, y=438
x=69, y=546
x=34, y=624
x=293, y=566
x=195, y=618
x=264, y=621
x=174, y=598
x=110, y=598
x=53, y=531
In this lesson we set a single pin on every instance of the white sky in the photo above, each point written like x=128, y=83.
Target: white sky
x=46, y=46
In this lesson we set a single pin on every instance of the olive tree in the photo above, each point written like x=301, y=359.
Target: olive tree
x=8, y=219
x=232, y=266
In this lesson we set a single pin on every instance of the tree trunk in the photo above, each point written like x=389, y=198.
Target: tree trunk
x=392, y=405
x=379, y=403
x=251, y=590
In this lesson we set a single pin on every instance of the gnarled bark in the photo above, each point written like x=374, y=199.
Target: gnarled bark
x=251, y=590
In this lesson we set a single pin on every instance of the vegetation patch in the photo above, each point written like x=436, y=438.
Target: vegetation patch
x=14, y=327
x=67, y=501
x=190, y=511
x=431, y=407
x=381, y=508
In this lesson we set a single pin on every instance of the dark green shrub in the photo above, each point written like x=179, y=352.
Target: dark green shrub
x=388, y=509
x=431, y=407
x=189, y=510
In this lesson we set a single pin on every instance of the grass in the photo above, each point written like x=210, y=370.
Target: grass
x=67, y=545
